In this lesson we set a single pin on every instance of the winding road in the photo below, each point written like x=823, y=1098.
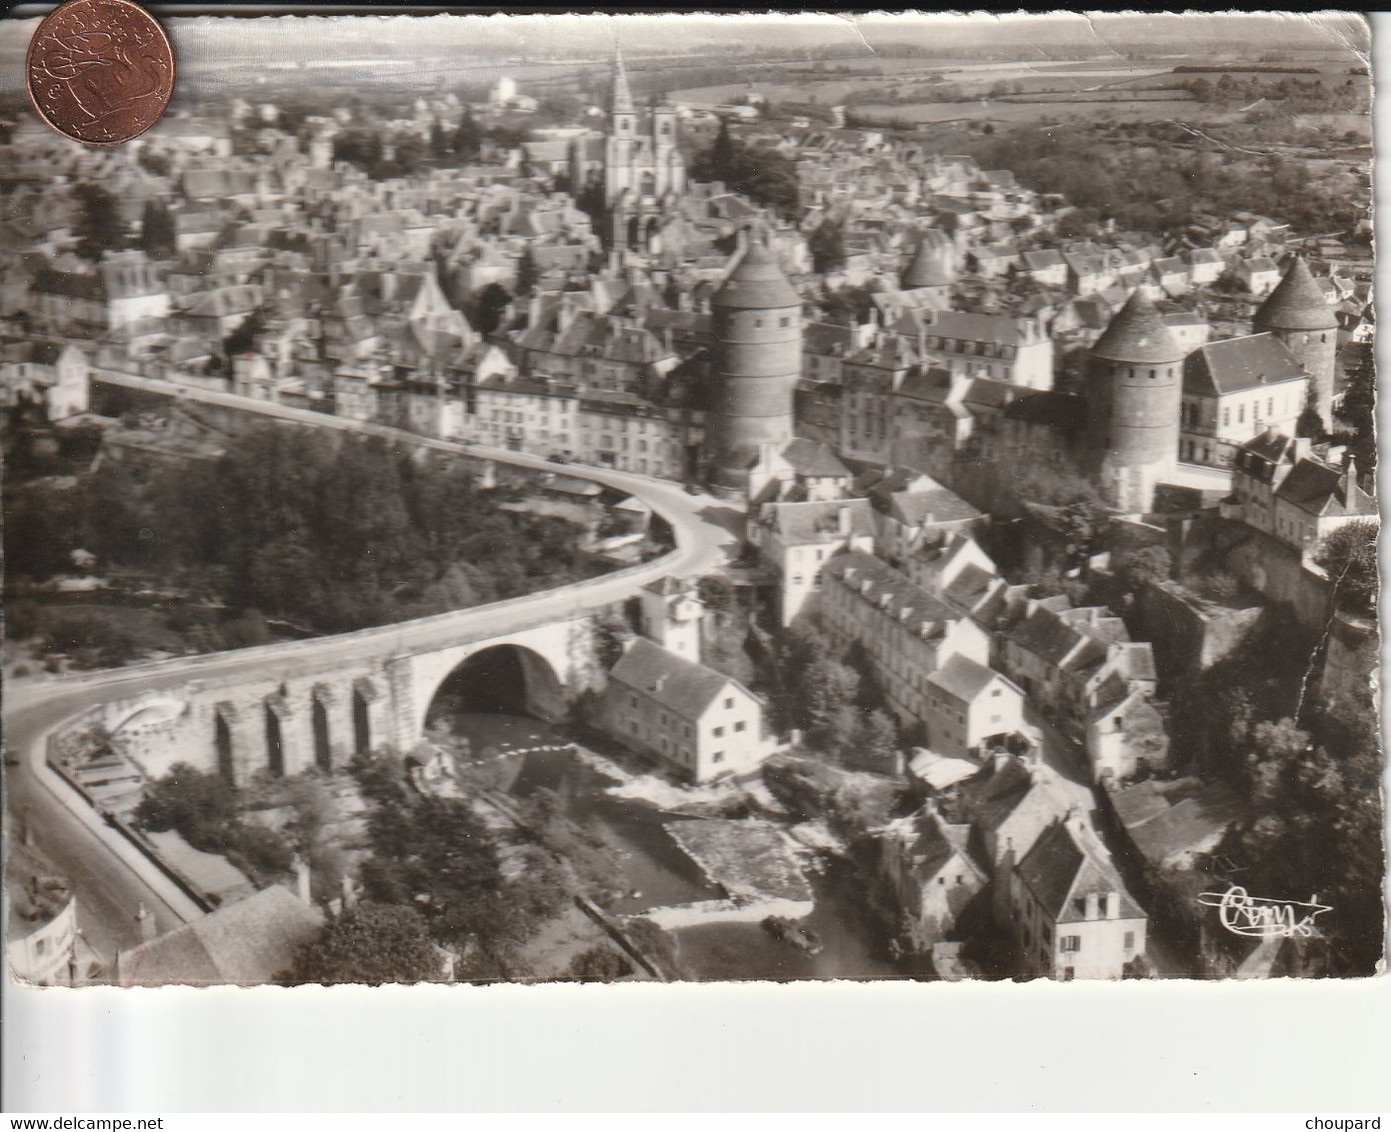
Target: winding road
x=111, y=880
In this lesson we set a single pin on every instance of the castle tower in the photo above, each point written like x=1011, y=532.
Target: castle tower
x=1298, y=313
x=1134, y=398
x=933, y=262
x=757, y=324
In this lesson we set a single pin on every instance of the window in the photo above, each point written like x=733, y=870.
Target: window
x=729, y=704
x=1241, y=414
x=995, y=693
x=718, y=733
x=1072, y=943
x=739, y=726
x=785, y=320
x=960, y=879
x=941, y=880
x=1130, y=941
x=1069, y=973
x=1227, y=415
x=717, y=757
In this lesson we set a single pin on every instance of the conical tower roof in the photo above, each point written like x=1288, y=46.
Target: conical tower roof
x=620, y=97
x=1297, y=303
x=756, y=283
x=1138, y=333
x=931, y=263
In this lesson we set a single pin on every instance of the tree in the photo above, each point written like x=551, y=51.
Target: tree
x=99, y=227
x=826, y=686
x=827, y=247
x=600, y=965
x=468, y=139
x=439, y=144
x=157, y=231
x=155, y=163
x=242, y=340
x=186, y=799
x=489, y=305
x=371, y=944
x=1359, y=395
x=1349, y=557
x=1147, y=566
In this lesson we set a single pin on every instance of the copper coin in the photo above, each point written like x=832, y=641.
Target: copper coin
x=100, y=71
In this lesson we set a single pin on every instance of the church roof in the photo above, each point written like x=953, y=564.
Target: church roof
x=1297, y=303
x=756, y=283
x=1138, y=333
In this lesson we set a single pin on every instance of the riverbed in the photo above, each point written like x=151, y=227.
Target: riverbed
x=656, y=873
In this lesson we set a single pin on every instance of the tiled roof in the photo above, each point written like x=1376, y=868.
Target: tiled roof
x=1138, y=333
x=819, y=521
x=756, y=283
x=683, y=687
x=964, y=678
x=1061, y=874
x=813, y=458
x=1297, y=303
x=246, y=943
x=1237, y=365
x=883, y=586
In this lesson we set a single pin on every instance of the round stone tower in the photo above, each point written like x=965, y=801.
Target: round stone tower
x=1297, y=312
x=933, y=263
x=757, y=324
x=1134, y=399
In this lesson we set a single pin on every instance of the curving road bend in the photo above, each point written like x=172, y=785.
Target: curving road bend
x=110, y=879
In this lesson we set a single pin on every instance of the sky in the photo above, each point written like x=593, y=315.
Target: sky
x=282, y=38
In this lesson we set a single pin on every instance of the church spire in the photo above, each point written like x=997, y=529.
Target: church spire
x=620, y=97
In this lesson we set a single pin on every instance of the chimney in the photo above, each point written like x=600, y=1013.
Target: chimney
x=998, y=761
x=1092, y=912
x=349, y=896
x=1113, y=905
x=844, y=522
x=301, y=869
x=146, y=919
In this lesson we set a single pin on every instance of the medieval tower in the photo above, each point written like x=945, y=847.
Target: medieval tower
x=757, y=324
x=1298, y=313
x=1134, y=397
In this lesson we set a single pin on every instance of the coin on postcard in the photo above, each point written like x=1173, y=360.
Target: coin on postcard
x=100, y=71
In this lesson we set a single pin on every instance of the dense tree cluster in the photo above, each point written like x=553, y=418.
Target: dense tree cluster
x=370, y=944
x=435, y=855
x=831, y=695
x=1349, y=557
x=331, y=532
x=1312, y=782
x=1156, y=179
x=203, y=809
x=762, y=174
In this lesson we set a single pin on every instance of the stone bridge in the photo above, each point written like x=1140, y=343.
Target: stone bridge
x=283, y=708
x=298, y=709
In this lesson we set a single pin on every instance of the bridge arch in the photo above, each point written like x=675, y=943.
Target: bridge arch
x=505, y=677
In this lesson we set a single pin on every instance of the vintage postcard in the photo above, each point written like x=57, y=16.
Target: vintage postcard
x=688, y=498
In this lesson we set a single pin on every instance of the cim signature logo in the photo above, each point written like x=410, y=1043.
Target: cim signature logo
x=1243, y=914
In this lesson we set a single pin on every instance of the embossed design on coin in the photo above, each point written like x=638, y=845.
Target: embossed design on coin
x=100, y=71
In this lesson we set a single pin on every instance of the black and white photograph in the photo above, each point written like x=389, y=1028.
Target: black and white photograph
x=675, y=498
